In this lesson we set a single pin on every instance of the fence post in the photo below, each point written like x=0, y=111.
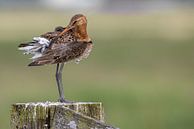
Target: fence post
x=55, y=115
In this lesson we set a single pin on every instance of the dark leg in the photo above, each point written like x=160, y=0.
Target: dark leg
x=59, y=82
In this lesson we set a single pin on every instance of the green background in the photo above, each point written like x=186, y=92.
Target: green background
x=141, y=67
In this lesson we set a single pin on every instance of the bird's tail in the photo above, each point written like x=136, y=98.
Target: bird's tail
x=35, y=63
x=36, y=47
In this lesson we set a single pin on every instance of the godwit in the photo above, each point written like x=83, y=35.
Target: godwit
x=60, y=46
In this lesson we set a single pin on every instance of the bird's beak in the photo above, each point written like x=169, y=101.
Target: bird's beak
x=66, y=29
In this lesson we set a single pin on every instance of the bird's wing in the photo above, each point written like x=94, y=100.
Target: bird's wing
x=63, y=38
x=61, y=53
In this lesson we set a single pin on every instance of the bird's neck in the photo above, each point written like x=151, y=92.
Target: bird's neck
x=81, y=33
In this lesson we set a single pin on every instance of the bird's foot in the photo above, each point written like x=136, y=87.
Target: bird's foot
x=62, y=100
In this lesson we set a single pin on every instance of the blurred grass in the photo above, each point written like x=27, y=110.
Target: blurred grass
x=141, y=67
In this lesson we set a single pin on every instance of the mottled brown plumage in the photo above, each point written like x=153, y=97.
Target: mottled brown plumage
x=63, y=53
x=67, y=43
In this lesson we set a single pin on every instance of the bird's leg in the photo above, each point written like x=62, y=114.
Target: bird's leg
x=59, y=82
x=62, y=99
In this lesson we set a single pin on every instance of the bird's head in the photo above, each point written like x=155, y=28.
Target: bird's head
x=78, y=24
x=78, y=20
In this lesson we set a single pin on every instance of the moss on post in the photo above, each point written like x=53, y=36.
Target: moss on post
x=50, y=115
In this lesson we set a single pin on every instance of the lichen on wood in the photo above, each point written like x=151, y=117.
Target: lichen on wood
x=42, y=115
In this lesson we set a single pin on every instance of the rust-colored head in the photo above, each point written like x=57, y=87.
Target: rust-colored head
x=78, y=20
x=78, y=24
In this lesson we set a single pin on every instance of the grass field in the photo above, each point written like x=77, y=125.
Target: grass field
x=141, y=67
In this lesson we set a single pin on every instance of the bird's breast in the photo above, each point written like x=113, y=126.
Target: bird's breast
x=85, y=53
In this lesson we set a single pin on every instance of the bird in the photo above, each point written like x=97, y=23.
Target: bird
x=63, y=44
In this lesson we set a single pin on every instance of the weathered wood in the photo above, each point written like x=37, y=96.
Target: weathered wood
x=43, y=115
x=49, y=115
x=66, y=118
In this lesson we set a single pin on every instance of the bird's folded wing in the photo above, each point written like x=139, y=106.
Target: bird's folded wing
x=61, y=53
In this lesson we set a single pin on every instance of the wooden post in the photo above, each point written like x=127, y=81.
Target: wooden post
x=55, y=115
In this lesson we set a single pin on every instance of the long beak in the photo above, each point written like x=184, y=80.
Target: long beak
x=66, y=29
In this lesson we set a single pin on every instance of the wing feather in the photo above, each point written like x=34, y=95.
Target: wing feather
x=61, y=53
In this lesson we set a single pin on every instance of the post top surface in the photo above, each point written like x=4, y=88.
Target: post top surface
x=48, y=103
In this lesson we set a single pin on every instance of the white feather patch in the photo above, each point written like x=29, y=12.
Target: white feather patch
x=26, y=48
x=36, y=55
x=42, y=41
x=36, y=48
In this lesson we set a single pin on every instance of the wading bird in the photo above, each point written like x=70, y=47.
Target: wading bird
x=60, y=46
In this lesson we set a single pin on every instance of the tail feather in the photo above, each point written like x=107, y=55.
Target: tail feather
x=36, y=47
x=23, y=45
x=34, y=64
x=26, y=44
